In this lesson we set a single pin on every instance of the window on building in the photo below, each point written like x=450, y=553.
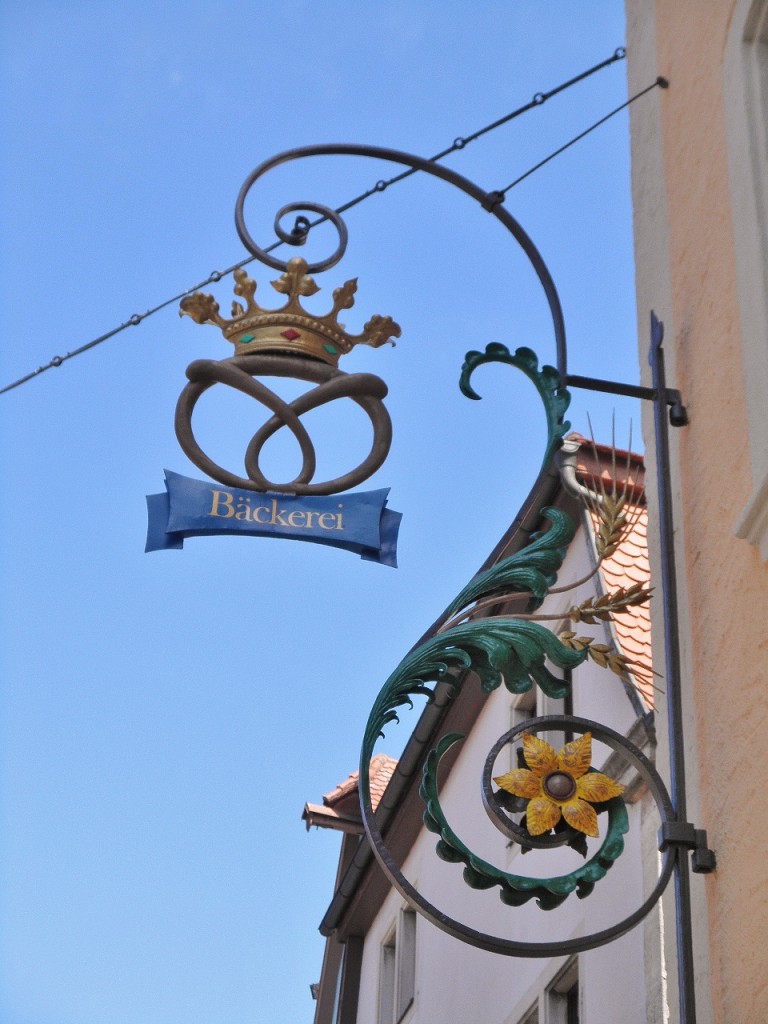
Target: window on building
x=523, y=708
x=387, y=980
x=546, y=705
x=532, y=1016
x=348, y=982
x=336, y=993
x=745, y=92
x=563, y=1004
x=397, y=969
x=553, y=999
x=406, y=961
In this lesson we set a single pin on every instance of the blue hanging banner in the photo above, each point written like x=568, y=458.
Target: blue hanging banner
x=358, y=522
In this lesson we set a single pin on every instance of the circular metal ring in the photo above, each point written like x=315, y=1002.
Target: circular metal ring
x=436, y=170
x=271, y=261
x=500, y=818
x=511, y=947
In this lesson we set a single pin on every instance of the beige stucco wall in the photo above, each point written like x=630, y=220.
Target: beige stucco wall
x=686, y=271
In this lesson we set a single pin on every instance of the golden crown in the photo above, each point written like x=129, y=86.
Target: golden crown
x=290, y=328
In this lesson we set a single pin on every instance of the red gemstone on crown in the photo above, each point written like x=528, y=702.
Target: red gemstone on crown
x=290, y=334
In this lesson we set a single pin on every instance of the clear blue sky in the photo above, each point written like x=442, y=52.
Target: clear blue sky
x=166, y=716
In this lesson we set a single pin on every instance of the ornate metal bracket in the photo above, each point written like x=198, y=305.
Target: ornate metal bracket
x=517, y=650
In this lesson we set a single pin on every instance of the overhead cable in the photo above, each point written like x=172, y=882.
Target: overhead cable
x=458, y=144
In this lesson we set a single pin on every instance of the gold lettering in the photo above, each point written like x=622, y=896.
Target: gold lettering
x=338, y=520
x=222, y=498
x=256, y=517
x=242, y=510
x=277, y=517
x=292, y=517
x=309, y=519
x=324, y=516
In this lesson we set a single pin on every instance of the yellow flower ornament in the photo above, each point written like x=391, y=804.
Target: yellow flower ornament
x=559, y=784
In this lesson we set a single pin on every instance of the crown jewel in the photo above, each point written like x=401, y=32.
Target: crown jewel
x=290, y=328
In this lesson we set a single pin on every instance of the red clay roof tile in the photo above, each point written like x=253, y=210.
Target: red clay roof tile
x=627, y=566
x=381, y=771
x=341, y=808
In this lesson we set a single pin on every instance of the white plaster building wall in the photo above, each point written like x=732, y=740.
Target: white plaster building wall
x=456, y=983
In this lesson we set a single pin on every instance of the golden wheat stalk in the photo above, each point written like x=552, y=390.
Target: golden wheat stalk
x=609, y=506
x=604, y=608
x=629, y=670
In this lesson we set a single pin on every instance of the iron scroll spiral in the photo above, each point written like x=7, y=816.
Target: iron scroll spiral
x=497, y=649
x=492, y=202
x=298, y=235
x=364, y=389
x=515, y=889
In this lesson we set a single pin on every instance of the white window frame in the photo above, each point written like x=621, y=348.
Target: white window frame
x=745, y=96
x=558, y=993
x=397, y=969
x=523, y=706
x=531, y=1015
x=387, y=978
x=546, y=1001
x=405, y=989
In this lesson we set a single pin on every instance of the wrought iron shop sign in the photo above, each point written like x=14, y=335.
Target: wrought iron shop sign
x=287, y=342
x=554, y=797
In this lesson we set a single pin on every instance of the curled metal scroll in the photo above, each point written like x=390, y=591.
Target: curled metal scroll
x=554, y=397
x=490, y=201
x=514, y=889
x=517, y=889
x=298, y=235
x=365, y=389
